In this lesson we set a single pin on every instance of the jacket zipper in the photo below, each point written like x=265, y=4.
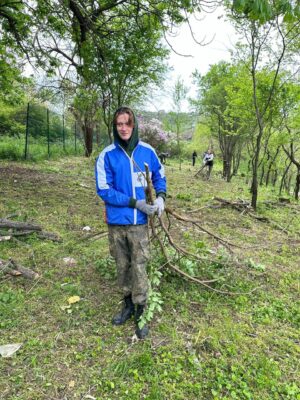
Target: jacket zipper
x=132, y=185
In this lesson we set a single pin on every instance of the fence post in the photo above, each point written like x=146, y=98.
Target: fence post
x=63, y=132
x=26, y=133
x=48, y=133
x=75, y=133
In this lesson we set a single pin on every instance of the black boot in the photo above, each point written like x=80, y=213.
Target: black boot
x=126, y=312
x=141, y=333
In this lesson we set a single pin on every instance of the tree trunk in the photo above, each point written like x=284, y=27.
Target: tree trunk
x=291, y=155
x=283, y=178
x=254, y=189
x=12, y=267
x=224, y=168
x=5, y=223
x=88, y=139
x=262, y=175
x=254, y=186
x=236, y=159
x=248, y=172
x=228, y=147
x=297, y=186
x=228, y=170
x=288, y=183
x=98, y=135
x=271, y=165
x=275, y=176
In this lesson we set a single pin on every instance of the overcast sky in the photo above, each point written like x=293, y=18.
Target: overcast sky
x=212, y=29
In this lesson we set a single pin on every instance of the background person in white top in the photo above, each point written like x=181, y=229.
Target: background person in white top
x=208, y=160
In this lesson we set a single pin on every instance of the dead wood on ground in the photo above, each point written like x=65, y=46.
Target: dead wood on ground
x=13, y=268
x=180, y=251
x=18, y=229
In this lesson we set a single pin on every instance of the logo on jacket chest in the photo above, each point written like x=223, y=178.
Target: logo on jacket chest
x=139, y=179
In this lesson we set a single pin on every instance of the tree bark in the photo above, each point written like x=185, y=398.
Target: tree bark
x=275, y=176
x=283, y=178
x=11, y=267
x=262, y=175
x=271, y=165
x=297, y=185
x=5, y=223
x=88, y=138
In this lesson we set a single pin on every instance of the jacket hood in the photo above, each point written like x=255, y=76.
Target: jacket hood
x=128, y=145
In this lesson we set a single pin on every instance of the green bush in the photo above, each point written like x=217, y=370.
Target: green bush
x=11, y=148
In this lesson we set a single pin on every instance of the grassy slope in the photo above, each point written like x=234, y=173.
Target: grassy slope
x=203, y=345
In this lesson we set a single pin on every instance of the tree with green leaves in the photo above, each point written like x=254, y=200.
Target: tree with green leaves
x=179, y=94
x=264, y=11
x=223, y=97
x=86, y=109
x=114, y=44
x=14, y=30
x=291, y=132
x=261, y=25
x=127, y=66
x=115, y=48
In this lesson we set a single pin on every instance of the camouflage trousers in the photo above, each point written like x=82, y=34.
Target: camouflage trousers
x=129, y=246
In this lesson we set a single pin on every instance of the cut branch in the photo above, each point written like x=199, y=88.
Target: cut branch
x=24, y=229
x=6, y=223
x=196, y=223
x=13, y=268
x=168, y=263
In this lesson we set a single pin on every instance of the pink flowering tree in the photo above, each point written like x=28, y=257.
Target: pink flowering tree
x=152, y=132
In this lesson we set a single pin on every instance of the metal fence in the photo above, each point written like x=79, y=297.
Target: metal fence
x=49, y=132
x=33, y=131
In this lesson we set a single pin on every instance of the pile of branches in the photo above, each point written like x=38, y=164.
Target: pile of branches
x=242, y=206
x=13, y=230
x=161, y=234
x=10, y=230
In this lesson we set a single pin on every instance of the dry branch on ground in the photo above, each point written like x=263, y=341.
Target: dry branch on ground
x=17, y=229
x=13, y=268
x=180, y=251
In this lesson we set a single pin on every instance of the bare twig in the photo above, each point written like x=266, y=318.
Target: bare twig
x=180, y=250
x=196, y=223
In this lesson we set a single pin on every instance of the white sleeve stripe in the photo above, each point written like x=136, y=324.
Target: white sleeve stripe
x=162, y=169
x=101, y=175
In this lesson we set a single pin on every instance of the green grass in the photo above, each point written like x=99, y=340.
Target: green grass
x=203, y=345
x=13, y=148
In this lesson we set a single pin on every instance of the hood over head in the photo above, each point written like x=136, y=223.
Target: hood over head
x=128, y=145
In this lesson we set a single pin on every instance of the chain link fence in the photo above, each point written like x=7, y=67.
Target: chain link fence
x=35, y=132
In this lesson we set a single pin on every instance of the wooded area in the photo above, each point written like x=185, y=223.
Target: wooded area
x=98, y=57
x=224, y=266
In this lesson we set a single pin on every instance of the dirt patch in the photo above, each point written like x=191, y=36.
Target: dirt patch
x=29, y=175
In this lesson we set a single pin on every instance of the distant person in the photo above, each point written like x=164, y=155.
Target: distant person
x=163, y=157
x=194, y=156
x=208, y=160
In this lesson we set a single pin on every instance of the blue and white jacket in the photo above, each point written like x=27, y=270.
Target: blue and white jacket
x=119, y=178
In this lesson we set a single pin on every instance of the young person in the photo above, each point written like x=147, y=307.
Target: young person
x=121, y=184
